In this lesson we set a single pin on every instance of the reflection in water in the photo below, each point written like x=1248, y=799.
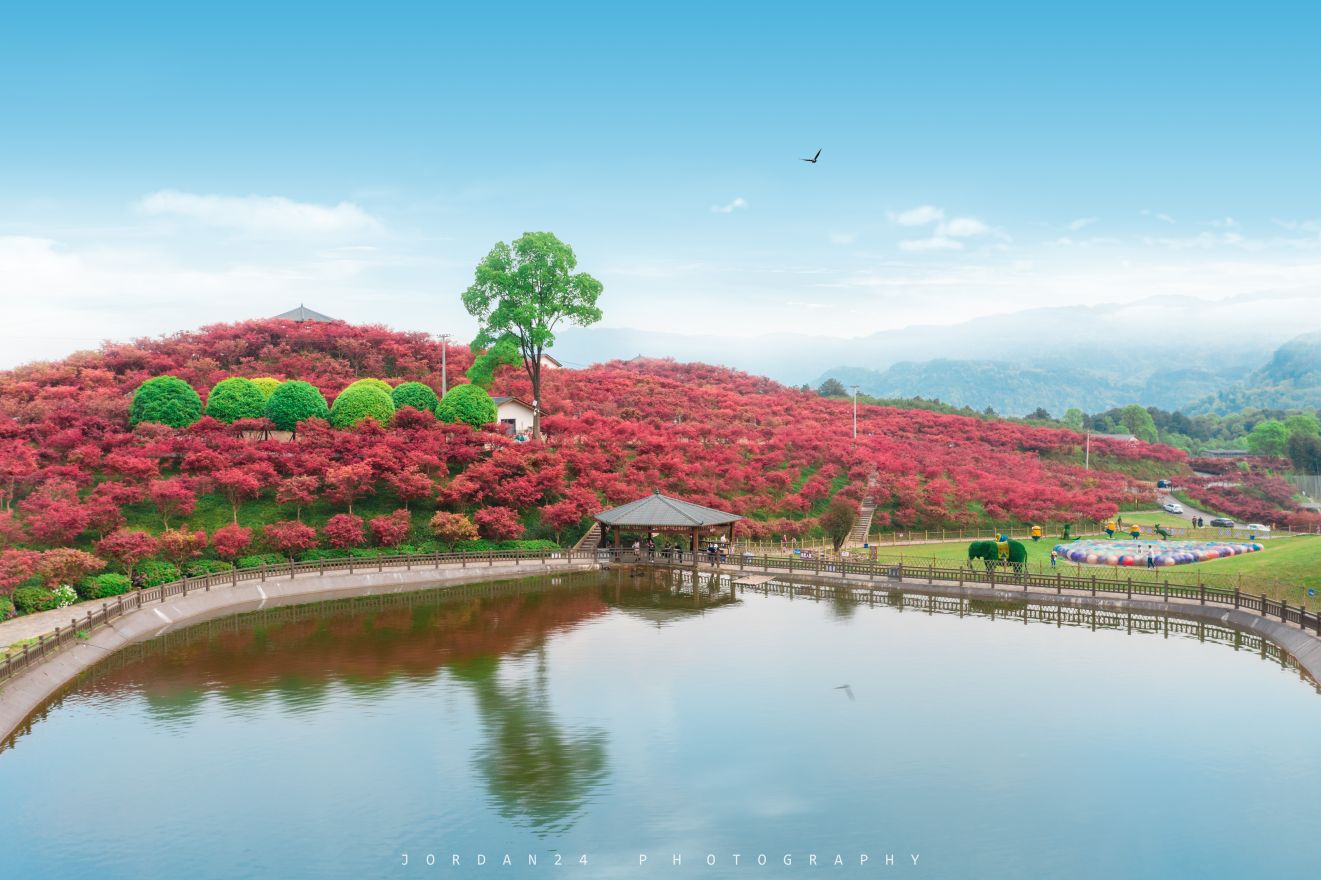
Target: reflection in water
x=612, y=714
x=539, y=773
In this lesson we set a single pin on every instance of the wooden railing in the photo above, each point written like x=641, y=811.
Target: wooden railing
x=1004, y=575
x=81, y=625
x=997, y=575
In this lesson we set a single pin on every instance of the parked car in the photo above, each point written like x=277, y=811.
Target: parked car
x=1256, y=527
x=1163, y=484
x=1221, y=522
x=1173, y=507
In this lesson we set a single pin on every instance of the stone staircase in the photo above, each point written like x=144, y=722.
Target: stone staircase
x=591, y=539
x=860, y=528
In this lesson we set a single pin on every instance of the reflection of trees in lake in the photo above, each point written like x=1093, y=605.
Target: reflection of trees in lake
x=538, y=772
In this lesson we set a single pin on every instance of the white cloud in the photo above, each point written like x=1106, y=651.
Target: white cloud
x=963, y=227
x=922, y=215
x=1080, y=223
x=738, y=204
x=842, y=238
x=934, y=243
x=261, y=215
x=1159, y=215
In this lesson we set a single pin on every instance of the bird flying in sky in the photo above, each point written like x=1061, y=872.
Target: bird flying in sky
x=814, y=158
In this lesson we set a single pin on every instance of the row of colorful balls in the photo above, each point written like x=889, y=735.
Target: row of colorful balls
x=1134, y=553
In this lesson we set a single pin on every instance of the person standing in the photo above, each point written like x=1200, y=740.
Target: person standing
x=1054, y=557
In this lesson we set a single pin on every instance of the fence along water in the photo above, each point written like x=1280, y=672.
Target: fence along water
x=871, y=570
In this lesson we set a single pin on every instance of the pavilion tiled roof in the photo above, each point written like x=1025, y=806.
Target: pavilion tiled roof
x=662, y=510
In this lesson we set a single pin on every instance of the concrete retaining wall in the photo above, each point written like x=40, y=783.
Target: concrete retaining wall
x=25, y=692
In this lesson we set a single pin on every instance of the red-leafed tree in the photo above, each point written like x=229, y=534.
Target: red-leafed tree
x=16, y=566
x=451, y=528
x=18, y=461
x=53, y=513
x=289, y=537
x=64, y=565
x=392, y=530
x=11, y=530
x=238, y=484
x=498, y=523
x=230, y=541
x=348, y=482
x=173, y=498
x=299, y=491
x=128, y=547
x=344, y=530
x=411, y=485
x=180, y=546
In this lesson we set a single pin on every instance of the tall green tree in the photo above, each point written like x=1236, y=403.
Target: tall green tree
x=1269, y=438
x=1138, y=422
x=526, y=290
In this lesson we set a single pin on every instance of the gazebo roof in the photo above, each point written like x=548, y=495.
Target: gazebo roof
x=303, y=313
x=662, y=510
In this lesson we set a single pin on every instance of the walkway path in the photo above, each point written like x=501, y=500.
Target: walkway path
x=32, y=685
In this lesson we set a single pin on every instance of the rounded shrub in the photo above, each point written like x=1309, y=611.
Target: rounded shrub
x=416, y=395
x=467, y=403
x=235, y=398
x=373, y=383
x=168, y=400
x=155, y=572
x=6, y=608
x=267, y=385
x=103, y=586
x=361, y=401
x=294, y=401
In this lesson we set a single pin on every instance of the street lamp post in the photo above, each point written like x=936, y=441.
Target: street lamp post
x=855, y=413
x=444, y=365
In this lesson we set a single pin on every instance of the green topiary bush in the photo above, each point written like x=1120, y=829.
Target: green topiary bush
x=416, y=395
x=103, y=586
x=370, y=383
x=6, y=608
x=155, y=572
x=361, y=401
x=165, y=399
x=467, y=403
x=267, y=385
x=235, y=398
x=294, y=401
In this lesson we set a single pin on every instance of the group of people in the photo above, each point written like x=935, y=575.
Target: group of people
x=714, y=552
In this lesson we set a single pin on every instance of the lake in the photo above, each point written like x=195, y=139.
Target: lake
x=625, y=721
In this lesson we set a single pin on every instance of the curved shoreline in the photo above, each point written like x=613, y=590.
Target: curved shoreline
x=1303, y=646
x=27, y=691
x=23, y=694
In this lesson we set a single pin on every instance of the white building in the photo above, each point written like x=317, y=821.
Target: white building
x=514, y=413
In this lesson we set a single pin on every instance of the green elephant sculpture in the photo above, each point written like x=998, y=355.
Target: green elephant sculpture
x=993, y=554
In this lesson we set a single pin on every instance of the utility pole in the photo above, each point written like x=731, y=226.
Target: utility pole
x=444, y=366
x=855, y=413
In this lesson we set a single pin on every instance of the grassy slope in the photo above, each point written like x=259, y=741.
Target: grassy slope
x=1285, y=569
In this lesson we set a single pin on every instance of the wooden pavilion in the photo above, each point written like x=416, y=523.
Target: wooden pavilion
x=661, y=513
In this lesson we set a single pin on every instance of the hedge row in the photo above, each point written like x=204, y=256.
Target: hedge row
x=172, y=401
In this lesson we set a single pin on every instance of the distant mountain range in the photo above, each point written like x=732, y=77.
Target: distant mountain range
x=1290, y=380
x=1169, y=352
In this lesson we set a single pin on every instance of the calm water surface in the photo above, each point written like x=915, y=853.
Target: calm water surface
x=604, y=716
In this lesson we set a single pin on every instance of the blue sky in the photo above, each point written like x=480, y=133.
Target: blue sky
x=163, y=167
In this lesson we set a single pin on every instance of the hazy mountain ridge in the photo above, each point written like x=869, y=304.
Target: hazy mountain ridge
x=1165, y=351
x=1290, y=380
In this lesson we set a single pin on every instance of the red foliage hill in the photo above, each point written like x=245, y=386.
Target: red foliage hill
x=615, y=431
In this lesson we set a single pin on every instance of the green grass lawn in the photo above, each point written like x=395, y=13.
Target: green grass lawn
x=1285, y=569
